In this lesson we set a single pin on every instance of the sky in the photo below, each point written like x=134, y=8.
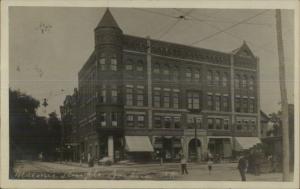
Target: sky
x=49, y=45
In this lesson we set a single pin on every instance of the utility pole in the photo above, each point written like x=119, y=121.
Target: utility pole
x=284, y=101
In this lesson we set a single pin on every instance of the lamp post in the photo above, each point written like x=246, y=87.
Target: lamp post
x=196, y=143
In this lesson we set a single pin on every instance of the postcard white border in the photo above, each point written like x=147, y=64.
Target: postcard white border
x=247, y=4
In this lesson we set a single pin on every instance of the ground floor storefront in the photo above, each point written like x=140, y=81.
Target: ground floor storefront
x=157, y=148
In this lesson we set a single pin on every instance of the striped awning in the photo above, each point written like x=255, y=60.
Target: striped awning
x=138, y=144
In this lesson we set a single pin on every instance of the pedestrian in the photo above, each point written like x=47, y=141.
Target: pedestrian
x=183, y=163
x=209, y=164
x=242, y=166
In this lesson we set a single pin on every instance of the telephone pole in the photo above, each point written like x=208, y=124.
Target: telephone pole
x=284, y=101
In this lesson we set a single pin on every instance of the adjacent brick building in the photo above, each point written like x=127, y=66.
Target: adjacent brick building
x=138, y=95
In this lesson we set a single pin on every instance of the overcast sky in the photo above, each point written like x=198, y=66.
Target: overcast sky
x=44, y=61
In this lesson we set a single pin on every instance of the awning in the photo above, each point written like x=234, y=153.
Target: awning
x=244, y=143
x=138, y=144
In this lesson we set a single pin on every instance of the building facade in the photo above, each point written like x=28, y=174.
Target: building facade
x=140, y=97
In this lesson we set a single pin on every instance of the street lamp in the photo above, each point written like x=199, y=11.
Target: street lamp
x=196, y=144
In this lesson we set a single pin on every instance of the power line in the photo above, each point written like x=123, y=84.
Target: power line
x=230, y=27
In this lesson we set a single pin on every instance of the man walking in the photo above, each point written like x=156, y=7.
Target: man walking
x=242, y=166
x=183, y=163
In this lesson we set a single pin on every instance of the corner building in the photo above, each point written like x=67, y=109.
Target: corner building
x=143, y=98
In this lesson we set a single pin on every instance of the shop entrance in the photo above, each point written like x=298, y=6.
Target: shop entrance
x=194, y=149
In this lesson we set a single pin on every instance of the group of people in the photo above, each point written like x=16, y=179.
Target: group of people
x=242, y=166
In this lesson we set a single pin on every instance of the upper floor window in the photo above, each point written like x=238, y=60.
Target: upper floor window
x=210, y=102
x=244, y=81
x=225, y=80
x=102, y=63
x=113, y=63
x=218, y=123
x=177, y=122
x=251, y=105
x=245, y=104
x=167, y=122
x=141, y=121
x=175, y=99
x=210, y=77
x=140, y=95
x=102, y=96
x=175, y=73
x=199, y=122
x=188, y=74
x=166, y=99
x=157, y=121
x=140, y=66
x=226, y=124
x=193, y=100
x=225, y=103
x=251, y=83
x=217, y=79
x=239, y=125
x=210, y=123
x=197, y=75
x=156, y=69
x=237, y=81
x=114, y=94
x=218, y=101
x=129, y=96
x=114, y=119
x=156, y=99
x=130, y=120
x=237, y=104
x=102, y=119
x=166, y=71
x=129, y=65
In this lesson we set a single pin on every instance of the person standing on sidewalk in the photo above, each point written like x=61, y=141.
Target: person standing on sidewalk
x=209, y=164
x=183, y=163
x=242, y=166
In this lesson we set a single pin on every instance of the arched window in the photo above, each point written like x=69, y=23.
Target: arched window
x=217, y=79
x=225, y=80
x=197, y=75
x=210, y=77
x=188, y=74
x=237, y=81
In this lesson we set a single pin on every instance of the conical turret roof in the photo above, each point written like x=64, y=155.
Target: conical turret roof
x=107, y=20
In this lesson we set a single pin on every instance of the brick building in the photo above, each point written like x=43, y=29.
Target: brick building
x=138, y=95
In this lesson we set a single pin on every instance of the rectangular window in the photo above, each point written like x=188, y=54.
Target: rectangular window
x=102, y=96
x=193, y=100
x=226, y=124
x=129, y=67
x=130, y=121
x=218, y=124
x=239, y=125
x=157, y=121
x=140, y=96
x=210, y=123
x=188, y=75
x=156, y=99
x=225, y=103
x=129, y=96
x=175, y=100
x=245, y=105
x=210, y=77
x=177, y=122
x=113, y=64
x=103, y=119
x=251, y=105
x=167, y=122
x=140, y=66
x=114, y=119
x=199, y=123
x=114, y=94
x=245, y=125
x=102, y=64
x=210, y=102
x=218, y=100
x=166, y=99
x=237, y=104
x=253, y=126
x=141, y=121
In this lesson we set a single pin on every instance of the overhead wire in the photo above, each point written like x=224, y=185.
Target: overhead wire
x=230, y=27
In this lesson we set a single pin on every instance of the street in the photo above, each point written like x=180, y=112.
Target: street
x=168, y=171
